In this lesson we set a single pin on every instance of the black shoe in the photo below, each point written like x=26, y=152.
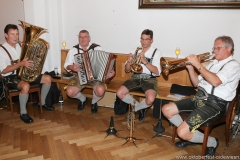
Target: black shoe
x=94, y=108
x=183, y=144
x=46, y=107
x=81, y=104
x=26, y=118
x=210, y=151
x=142, y=114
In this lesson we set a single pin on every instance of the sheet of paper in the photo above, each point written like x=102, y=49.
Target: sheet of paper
x=177, y=96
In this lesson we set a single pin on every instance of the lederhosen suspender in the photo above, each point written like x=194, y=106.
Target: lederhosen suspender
x=152, y=59
x=12, y=61
x=213, y=88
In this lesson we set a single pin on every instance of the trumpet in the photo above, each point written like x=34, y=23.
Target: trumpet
x=171, y=65
x=136, y=66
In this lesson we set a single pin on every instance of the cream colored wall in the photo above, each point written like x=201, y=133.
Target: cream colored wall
x=117, y=25
x=10, y=11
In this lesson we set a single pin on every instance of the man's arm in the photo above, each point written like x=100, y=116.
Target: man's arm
x=212, y=78
x=26, y=63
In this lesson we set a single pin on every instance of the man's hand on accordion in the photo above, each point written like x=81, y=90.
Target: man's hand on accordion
x=74, y=68
x=111, y=74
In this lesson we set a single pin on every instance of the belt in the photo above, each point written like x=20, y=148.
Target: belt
x=203, y=95
x=141, y=76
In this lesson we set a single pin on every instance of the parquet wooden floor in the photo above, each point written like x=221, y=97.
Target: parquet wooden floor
x=68, y=134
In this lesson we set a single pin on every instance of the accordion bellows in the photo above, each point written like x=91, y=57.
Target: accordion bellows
x=94, y=66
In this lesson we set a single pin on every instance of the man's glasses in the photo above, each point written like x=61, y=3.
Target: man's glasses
x=84, y=37
x=216, y=48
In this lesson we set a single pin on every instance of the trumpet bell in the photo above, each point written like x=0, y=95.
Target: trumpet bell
x=136, y=68
x=165, y=66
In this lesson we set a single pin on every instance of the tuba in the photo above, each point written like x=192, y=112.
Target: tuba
x=136, y=66
x=171, y=65
x=33, y=48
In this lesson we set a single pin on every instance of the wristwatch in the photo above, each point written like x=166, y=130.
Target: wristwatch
x=146, y=63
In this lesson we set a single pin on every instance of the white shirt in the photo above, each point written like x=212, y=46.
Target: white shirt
x=155, y=61
x=70, y=56
x=4, y=58
x=229, y=75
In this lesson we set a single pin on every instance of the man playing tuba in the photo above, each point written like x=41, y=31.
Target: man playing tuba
x=148, y=58
x=11, y=50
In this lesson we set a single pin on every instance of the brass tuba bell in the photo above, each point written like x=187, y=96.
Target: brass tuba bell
x=33, y=48
x=136, y=66
x=171, y=65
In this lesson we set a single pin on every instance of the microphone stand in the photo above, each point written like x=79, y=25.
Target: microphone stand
x=159, y=129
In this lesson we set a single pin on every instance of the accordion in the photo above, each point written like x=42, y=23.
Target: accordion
x=94, y=65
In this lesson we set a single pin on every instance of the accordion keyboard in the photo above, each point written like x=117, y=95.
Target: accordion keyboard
x=82, y=75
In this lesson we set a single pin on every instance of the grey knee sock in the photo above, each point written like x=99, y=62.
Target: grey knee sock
x=44, y=92
x=80, y=96
x=141, y=105
x=23, y=98
x=95, y=98
x=130, y=100
x=198, y=138
x=176, y=120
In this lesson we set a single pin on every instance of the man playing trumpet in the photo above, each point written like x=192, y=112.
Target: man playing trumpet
x=216, y=84
x=149, y=61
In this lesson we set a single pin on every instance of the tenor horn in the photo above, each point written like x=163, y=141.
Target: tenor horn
x=136, y=66
x=33, y=48
x=171, y=65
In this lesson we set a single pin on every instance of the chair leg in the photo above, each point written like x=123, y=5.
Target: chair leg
x=7, y=99
x=40, y=100
x=205, y=139
x=228, y=125
x=10, y=104
x=174, y=133
x=227, y=130
x=30, y=96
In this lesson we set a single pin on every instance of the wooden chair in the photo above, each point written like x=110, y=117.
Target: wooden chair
x=10, y=93
x=207, y=127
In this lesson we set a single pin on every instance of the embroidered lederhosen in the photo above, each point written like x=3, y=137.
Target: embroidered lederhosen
x=75, y=81
x=144, y=81
x=208, y=107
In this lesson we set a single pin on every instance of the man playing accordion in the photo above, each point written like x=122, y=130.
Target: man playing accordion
x=73, y=90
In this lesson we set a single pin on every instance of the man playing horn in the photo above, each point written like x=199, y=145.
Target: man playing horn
x=216, y=84
x=73, y=89
x=11, y=49
x=147, y=81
